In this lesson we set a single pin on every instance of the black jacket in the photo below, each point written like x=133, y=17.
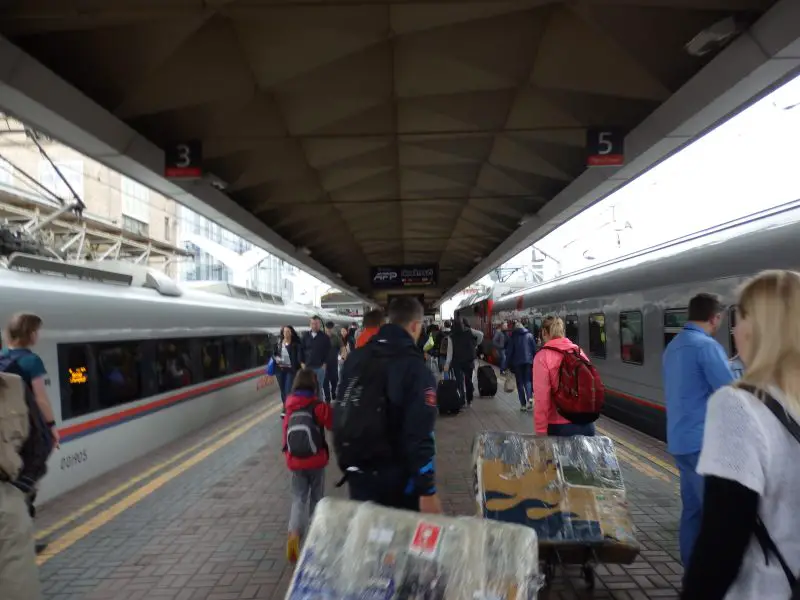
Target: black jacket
x=411, y=389
x=295, y=354
x=316, y=349
x=464, y=346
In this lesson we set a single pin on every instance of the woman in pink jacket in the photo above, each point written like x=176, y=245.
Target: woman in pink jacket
x=546, y=364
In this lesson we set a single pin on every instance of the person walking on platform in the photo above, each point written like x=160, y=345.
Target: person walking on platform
x=519, y=357
x=749, y=541
x=373, y=321
x=332, y=363
x=306, y=452
x=547, y=364
x=694, y=367
x=461, y=354
x=288, y=357
x=442, y=340
x=384, y=417
x=500, y=341
x=19, y=576
x=316, y=348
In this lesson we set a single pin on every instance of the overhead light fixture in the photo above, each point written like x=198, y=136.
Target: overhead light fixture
x=305, y=250
x=478, y=259
x=716, y=36
x=339, y=275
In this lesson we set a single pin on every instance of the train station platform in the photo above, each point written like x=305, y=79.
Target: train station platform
x=204, y=518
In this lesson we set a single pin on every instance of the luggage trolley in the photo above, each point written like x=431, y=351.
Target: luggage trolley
x=570, y=490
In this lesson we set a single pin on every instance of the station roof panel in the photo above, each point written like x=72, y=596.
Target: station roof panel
x=378, y=132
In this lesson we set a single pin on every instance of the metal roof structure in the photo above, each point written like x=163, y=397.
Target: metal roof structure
x=380, y=132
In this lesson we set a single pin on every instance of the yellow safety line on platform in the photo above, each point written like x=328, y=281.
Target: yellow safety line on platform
x=642, y=467
x=104, y=517
x=62, y=523
x=636, y=450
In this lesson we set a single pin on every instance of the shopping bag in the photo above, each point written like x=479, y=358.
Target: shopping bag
x=510, y=385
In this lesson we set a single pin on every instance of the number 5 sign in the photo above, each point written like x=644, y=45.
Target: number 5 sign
x=184, y=160
x=605, y=147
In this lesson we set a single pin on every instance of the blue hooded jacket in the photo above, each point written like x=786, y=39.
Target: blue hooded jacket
x=521, y=348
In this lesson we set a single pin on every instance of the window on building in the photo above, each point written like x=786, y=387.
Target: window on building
x=134, y=226
x=74, y=382
x=674, y=320
x=167, y=235
x=72, y=170
x=174, y=365
x=732, y=327
x=6, y=173
x=571, y=328
x=631, y=334
x=119, y=373
x=135, y=200
x=597, y=335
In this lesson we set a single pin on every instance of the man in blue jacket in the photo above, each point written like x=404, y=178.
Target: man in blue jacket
x=694, y=367
x=316, y=349
x=384, y=437
x=519, y=357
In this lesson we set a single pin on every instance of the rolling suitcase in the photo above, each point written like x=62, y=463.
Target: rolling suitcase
x=487, y=381
x=448, y=396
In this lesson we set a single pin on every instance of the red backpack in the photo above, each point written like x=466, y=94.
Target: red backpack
x=579, y=395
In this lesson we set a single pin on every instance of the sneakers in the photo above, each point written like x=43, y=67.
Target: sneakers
x=529, y=406
x=293, y=548
x=523, y=409
x=283, y=416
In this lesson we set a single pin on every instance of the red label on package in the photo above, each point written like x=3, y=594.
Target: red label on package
x=426, y=538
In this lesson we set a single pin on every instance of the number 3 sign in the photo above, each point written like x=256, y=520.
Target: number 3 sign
x=184, y=160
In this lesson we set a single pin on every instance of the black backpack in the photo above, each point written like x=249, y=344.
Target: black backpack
x=304, y=436
x=37, y=448
x=361, y=434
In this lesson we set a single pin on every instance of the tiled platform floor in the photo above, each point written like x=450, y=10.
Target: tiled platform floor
x=214, y=529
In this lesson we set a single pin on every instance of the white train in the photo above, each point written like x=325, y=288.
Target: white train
x=135, y=361
x=623, y=313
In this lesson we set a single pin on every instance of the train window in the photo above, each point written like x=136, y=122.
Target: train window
x=243, y=353
x=173, y=365
x=119, y=373
x=732, y=327
x=631, y=334
x=674, y=320
x=263, y=344
x=74, y=383
x=597, y=335
x=213, y=358
x=571, y=327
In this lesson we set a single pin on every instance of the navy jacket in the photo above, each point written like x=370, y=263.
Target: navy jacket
x=411, y=389
x=316, y=349
x=521, y=348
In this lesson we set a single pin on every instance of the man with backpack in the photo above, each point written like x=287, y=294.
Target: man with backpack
x=19, y=448
x=306, y=452
x=384, y=417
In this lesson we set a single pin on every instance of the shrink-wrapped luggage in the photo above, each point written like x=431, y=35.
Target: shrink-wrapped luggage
x=364, y=551
x=567, y=489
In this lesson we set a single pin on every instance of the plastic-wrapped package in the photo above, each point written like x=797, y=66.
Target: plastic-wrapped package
x=368, y=552
x=568, y=489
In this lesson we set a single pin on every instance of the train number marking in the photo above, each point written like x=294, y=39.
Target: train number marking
x=74, y=459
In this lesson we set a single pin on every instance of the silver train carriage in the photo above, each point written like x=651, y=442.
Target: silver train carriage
x=135, y=361
x=624, y=312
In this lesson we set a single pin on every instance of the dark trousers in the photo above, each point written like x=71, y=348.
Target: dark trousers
x=569, y=429
x=383, y=488
x=331, y=381
x=285, y=379
x=524, y=375
x=463, y=374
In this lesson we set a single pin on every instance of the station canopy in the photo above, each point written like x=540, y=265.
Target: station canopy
x=373, y=132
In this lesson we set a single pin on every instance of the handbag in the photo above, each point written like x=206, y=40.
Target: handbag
x=271, y=367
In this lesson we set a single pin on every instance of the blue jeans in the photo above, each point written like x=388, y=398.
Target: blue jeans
x=331, y=381
x=320, y=373
x=501, y=354
x=692, y=500
x=569, y=429
x=524, y=375
x=285, y=379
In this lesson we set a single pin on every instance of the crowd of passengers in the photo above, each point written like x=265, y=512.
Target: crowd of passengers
x=731, y=426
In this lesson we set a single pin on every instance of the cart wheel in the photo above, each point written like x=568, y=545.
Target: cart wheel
x=588, y=576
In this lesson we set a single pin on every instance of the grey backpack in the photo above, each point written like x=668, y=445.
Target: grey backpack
x=304, y=436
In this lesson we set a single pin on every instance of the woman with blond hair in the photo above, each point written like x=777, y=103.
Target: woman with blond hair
x=546, y=365
x=749, y=541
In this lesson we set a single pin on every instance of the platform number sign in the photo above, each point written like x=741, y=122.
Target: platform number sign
x=184, y=160
x=605, y=147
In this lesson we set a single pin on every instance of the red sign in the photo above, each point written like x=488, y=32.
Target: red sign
x=426, y=538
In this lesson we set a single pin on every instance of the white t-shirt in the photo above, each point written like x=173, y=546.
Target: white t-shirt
x=744, y=442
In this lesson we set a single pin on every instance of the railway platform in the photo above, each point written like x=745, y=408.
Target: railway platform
x=204, y=518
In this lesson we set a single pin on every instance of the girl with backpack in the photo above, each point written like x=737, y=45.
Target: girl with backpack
x=306, y=452
x=549, y=381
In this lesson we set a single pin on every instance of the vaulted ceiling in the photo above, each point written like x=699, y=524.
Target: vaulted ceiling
x=377, y=132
